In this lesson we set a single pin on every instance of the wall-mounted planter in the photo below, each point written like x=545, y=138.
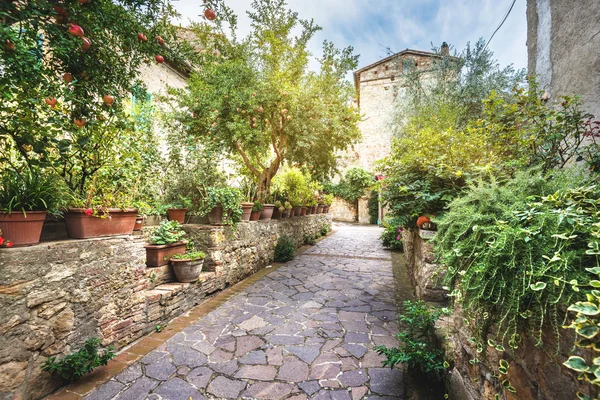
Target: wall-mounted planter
x=176, y=214
x=159, y=255
x=22, y=229
x=267, y=212
x=116, y=222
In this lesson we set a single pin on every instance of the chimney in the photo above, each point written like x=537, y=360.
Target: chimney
x=445, y=50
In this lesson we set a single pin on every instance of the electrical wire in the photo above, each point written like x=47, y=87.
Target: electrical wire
x=501, y=23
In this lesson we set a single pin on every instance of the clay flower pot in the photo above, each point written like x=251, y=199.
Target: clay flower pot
x=302, y=211
x=159, y=255
x=309, y=210
x=254, y=215
x=286, y=214
x=276, y=214
x=215, y=217
x=267, y=212
x=187, y=270
x=116, y=222
x=326, y=209
x=22, y=229
x=246, y=211
x=139, y=223
x=320, y=208
x=297, y=211
x=176, y=214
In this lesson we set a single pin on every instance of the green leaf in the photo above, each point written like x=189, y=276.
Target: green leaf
x=538, y=286
x=582, y=396
x=504, y=363
x=584, y=307
x=595, y=270
x=576, y=364
x=595, y=283
x=588, y=331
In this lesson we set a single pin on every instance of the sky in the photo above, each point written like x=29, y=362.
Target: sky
x=371, y=26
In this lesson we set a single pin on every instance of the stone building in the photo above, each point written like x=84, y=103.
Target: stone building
x=563, y=38
x=380, y=87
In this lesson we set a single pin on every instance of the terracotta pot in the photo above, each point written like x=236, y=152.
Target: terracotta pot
x=320, y=208
x=276, y=213
x=22, y=229
x=267, y=212
x=187, y=270
x=286, y=214
x=159, y=255
x=116, y=222
x=255, y=215
x=314, y=209
x=246, y=211
x=292, y=212
x=176, y=214
x=139, y=222
x=215, y=217
x=309, y=210
x=326, y=209
x=297, y=211
x=302, y=211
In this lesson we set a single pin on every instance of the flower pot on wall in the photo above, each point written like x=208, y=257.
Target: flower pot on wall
x=254, y=215
x=246, y=211
x=320, y=208
x=215, y=217
x=159, y=255
x=139, y=223
x=22, y=229
x=297, y=211
x=309, y=210
x=302, y=211
x=116, y=222
x=277, y=214
x=286, y=214
x=176, y=214
x=267, y=212
x=187, y=270
x=326, y=209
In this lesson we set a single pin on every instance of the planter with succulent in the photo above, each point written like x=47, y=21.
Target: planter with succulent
x=188, y=266
x=222, y=205
x=257, y=208
x=25, y=198
x=164, y=242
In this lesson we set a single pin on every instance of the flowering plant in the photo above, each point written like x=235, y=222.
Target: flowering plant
x=4, y=242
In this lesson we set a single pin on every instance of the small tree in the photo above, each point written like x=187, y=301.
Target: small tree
x=256, y=99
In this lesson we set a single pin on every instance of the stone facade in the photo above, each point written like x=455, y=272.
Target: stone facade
x=55, y=295
x=562, y=46
x=535, y=372
x=380, y=87
x=343, y=211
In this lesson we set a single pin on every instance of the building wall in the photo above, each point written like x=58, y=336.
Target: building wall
x=563, y=38
x=381, y=88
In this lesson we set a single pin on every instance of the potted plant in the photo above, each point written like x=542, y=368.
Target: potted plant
x=278, y=210
x=187, y=266
x=256, y=211
x=165, y=241
x=247, y=210
x=267, y=212
x=177, y=209
x=327, y=202
x=25, y=198
x=287, y=209
x=143, y=209
x=222, y=205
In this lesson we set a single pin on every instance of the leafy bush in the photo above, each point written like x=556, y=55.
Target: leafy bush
x=190, y=255
x=352, y=186
x=257, y=206
x=29, y=190
x=416, y=347
x=285, y=249
x=374, y=207
x=325, y=229
x=168, y=232
x=310, y=239
x=228, y=198
x=516, y=252
x=80, y=363
x=392, y=234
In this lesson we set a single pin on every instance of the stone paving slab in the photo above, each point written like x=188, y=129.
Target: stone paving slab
x=304, y=331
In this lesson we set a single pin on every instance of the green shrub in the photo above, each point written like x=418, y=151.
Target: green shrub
x=392, y=234
x=325, y=229
x=516, y=252
x=416, y=346
x=168, y=232
x=374, y=207
x=310, y=239
x=29, y=190
x=80, y=363
x=285, y=249
x=353, y=185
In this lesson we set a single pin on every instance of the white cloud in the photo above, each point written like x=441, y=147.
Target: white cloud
x=400, y=24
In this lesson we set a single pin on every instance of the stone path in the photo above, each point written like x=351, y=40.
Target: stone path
x=306, y=330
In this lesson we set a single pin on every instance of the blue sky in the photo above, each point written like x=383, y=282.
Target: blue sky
x=367, y=25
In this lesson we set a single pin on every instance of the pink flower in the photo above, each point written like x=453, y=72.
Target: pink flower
x=89, y=212
x=1, y=240
x=399, y=237
x=9, y=244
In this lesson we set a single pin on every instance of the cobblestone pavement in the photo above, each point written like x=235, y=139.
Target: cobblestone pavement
x=306, y=330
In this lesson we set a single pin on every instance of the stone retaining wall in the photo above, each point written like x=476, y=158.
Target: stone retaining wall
x=55, y=295
x=535, y=373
